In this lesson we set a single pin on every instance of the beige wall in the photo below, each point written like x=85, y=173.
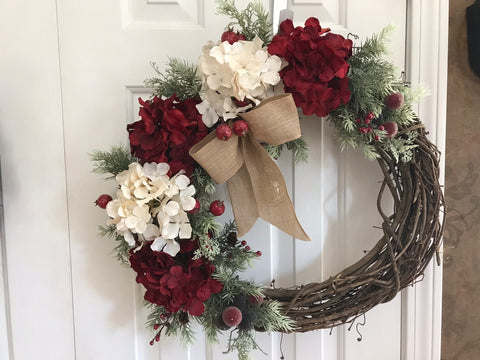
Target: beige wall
x=461, y=294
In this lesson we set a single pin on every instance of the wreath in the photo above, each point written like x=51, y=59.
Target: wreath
x=223, y=120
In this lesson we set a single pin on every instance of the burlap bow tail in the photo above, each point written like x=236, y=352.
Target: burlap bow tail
x=255, y=183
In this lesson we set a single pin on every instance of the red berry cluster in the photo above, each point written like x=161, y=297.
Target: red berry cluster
x=160, y=327
x=247, y=248
x=367, y=126
x=224, y=131
x=232, y=36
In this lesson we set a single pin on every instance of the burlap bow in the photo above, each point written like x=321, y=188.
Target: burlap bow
x=255, y=183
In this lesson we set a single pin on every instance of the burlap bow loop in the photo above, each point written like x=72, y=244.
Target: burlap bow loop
x=255, y=183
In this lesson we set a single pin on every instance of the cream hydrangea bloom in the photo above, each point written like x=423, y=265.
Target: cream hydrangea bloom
x=243, y=70
x=134, y=212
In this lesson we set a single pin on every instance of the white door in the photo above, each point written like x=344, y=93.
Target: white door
x=71, y=72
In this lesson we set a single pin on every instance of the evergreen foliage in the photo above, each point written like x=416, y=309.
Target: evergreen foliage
x=299, y=148
x=371, y=79
x=122, y=248
x=179, y=78
x=111, y=162
x=252, y=21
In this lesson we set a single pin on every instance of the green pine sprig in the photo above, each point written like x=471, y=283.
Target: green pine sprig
x=122, y=249
x=179, y=78
x=253, y=21
x=111, y=162
x=299, y=148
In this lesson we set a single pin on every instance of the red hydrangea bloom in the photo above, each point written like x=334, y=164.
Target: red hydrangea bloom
x=167, y=131
x=316, y=74
x=179, y=283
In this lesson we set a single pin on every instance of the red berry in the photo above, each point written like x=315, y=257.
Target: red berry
x=358, y=121
x=157, y=338
x=223, y=132
x=156, y=326
x=391, y=128
x=255, y=300
x=370, y=116
x=381, y=128
x=232, y=37
x=367, y=121
x=151, y=342
x=196, y=208
x=247, y=248
x=259, y=253
x=232, y=316
x=394, y=101
x=103, y=200
x=242, y=103
x=217, y=207
x=369, y=129
x=376, y=138
x=243, y=243
x=240, y=128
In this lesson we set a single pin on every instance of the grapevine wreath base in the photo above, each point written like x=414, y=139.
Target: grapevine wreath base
x=225, y=120
x=411, y=237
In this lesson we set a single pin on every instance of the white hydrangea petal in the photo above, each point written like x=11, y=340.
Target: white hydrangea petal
x=271, y=78
x=261, y=56
x=182, y=181
x=141, y=193
x=185, y=231
x=140, y=226
x=123, y=177
x=189, y=191
x=112, y=208
x=217, y=53
x=129, y=238
x=162, y=169
x=131, y=222
x=151, y=232
x=163, y=218
x=274, y=63
x=257, y=42
x=125, y=191
x=203, y=106
x=122, y=212
x=149, y=170
x=172, y=208
x=121, y=227
x=188, y=203
x=158, y=244
x=142, y=212
x=237, y=47
x=172, y=190
x=170, y=231
x=172, y=248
